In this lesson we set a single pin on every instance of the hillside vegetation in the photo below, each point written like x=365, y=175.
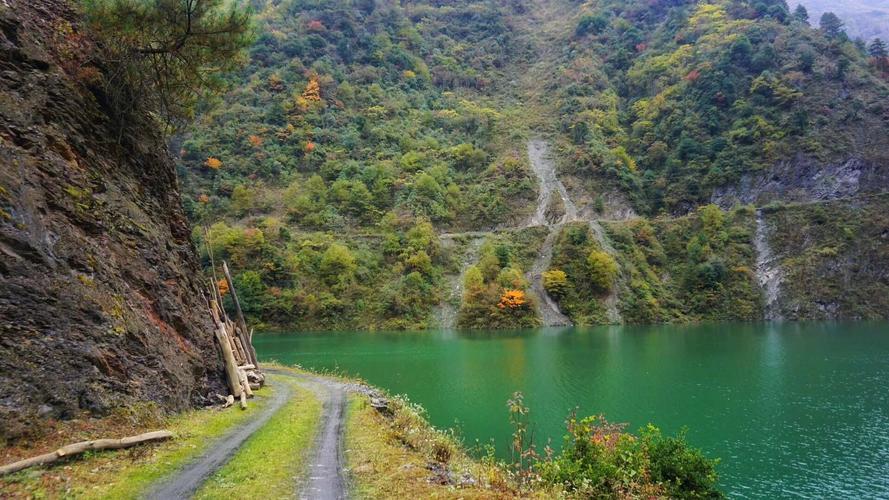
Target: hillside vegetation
x=360, y=132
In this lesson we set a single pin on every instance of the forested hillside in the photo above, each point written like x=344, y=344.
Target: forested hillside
x=383, y=164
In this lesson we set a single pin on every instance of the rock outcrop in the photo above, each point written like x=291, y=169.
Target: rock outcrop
x=100, y=305
x=803, y=179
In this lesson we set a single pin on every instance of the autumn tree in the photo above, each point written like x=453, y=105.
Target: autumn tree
x=213, y=163
x=513, y=300
x=167, y=54
x=555, y=282
x=312, y=93
x=602, y=270
x=308, y=99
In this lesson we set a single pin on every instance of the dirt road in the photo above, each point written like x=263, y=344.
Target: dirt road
x=185, y=482
x=325, y=477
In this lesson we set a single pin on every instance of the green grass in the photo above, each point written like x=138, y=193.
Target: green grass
x=129, y=473
x=271, y=461
x=195, y=431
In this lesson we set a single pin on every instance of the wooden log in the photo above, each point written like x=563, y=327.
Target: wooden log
x=226, y=400
x=239, y=313
x=78, y=448
x=253, y=353
x=231, y=368
x=245, y=384
x=240, y=356
x=245, y=358
x=214, y=312
x=243, y=400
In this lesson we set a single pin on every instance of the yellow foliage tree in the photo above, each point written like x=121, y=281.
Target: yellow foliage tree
x=213, y=163
x=602, y=270
x=555, y=282
x=312, y=93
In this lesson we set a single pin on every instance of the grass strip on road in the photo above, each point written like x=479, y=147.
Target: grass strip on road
x=271, y=462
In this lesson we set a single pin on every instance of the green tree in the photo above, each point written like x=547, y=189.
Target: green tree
x=337, y=264
x=167, y=54
x=474, y=281
x=555, y=281
x=877, y=49
x=801, y=14
x=832, y=26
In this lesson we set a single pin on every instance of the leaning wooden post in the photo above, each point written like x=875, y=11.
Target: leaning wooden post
x=231, y=367
x=251, y=355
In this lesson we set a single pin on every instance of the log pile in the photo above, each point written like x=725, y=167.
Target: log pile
x=236, y=344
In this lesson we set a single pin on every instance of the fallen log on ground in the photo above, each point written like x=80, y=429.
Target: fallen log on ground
x=82, y=447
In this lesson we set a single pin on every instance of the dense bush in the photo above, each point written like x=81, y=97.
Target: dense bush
x=599, y=459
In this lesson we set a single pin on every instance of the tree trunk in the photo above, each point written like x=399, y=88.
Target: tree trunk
x=78, y=448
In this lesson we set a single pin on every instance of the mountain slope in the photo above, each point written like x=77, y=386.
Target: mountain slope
x=360, y=130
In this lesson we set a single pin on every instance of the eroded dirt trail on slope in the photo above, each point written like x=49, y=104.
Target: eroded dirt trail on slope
x=448, y=309
x=768, y=270
x=547, y=308
x=545, y=168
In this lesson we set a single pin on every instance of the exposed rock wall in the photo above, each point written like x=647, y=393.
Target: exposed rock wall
x=99, y=300
x=833, y=259
x=804, y=179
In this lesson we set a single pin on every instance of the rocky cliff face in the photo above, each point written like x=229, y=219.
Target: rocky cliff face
x=803, y=179
x=100, y=305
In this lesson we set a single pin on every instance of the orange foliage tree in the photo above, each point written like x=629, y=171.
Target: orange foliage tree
x=255, y=141
x=223, y=287
x=513, y=299
x=213, y=163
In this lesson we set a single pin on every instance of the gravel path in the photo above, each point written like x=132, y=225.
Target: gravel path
x=325, y=480
x=185, y=482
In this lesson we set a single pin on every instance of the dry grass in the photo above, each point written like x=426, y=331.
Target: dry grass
x=402, y=456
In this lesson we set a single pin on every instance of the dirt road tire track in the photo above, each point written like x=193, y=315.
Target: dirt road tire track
x=185, y=482
x=325, y=476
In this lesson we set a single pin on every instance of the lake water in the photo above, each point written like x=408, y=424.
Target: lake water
x=792, y=410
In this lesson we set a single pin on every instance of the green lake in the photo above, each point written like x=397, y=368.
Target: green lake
x=792, y=410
